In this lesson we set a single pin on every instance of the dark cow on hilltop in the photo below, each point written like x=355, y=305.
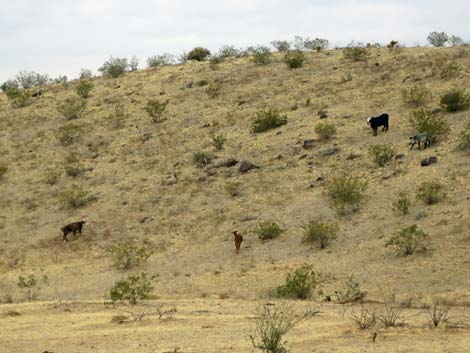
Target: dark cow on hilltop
x=375, y=122
x=72, y=228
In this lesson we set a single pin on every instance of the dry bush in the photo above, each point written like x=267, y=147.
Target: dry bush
x=201, y=158
x=321, y=232
x=383, y=154
x=464, y=138
x=438, y=314
x=325, y=131
x=416, y=95
x=75, y=197
x=267, y=120
x=84, y=88
x=431, y=192
x=294, y=59
x=268, y=230
x=409, y=240
x=68, y=134
x=128, y=254
x=213, y=89
x=365, y=318
x=155, y=110
x=455, y=100
x=300, y=284
x=347, y=192
x=402, y=203
x=424, y=121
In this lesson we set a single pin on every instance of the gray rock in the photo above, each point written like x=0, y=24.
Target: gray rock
x=246, y=166
x=323, y=114
x=428, y=161
x=329, y=151
x=308, y=144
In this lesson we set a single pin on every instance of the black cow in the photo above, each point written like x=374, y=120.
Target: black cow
x=375, y=122
x=72, y=228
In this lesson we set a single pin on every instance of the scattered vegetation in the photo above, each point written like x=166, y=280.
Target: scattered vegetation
x=31, y=79
x=85, y=74
x=431, y=192
x=201, y=158
x=268, y=230
x=31, y=285
x=72, y=108
x=114, y=67
x=325, y=131
x=409, y=240
x=438, y=313
x=267, y=120
x=445, y=70
x=198, y=54
x=355, y=52
x=416, y=96
x=464, y=138
x=155, y=110
x=351, y=291
x=213, y=89
x=365, y=318
x=218, y=141
x=72, y=166
x=347, y=192
x=317, y=44
x=320, y=232
x=118, y=116
x=302, y=283
x=438, y=39
x=383, y=154
x=402, y=203
x=132, y=289
x=128, y=254
x=423, y=120
x=68, y=134
x=294, y=59
x=281, y=45
x=261, y=55
x=75, y=197
x=160, y=60
x=273, y=323
x=84, y=88
x=455, y=100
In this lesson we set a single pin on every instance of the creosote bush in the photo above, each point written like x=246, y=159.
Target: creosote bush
x=455, y=100
x=114, y=67
x=267, y=120
x=129, y=254
x=320, y=232
x=19, y=98
x=430, y=192
x=355, y=52
x=68, y=134
x=201, y=158
x=294, y=59
x=155, y=110
x=445, y=70
x=118, y=116
x=281, y=45
x=423, y=120
x=347, y=192
x=402, y=203
x=132, y=289
x=438, y=39
x=160, y=60
x=382, y=154
x=72, y=166
x=198, y=54
x=268, y=230
x=273, y=323
x=325, y=131
x=32, y=285
x=409, y=240
x=302, y=283
x=261, y=55
x=75, y=197
x=72, y=108
x=416, y=96
x=84, y=88
x=317, y=44
x=351, y=289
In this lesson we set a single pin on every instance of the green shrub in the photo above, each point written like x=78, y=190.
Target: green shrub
x=294, y=59
x=408, y=240
x=455, y=100
x=114, y=67
x=268, y=230
x=464, y=138
x=273, y=323
x=155, y=110
x=430, y=192
x=300, y=284
x=201, y=158
x=416, y=95
x=68, y=134
x=316, y=44
x=118, y=116
x=132, y=289
x=445, y=70
x=424, y=121
x=198, y=53
x=403, y=203
x=281, y=45
x=84, y=88
x=347, y=192
x=320, y=232
x=74, y=170
x=351, y=289
x=438, y=39
x=213, y=89
x=267, y=120
x=325, y=131
x=3, y=170
x=75, y=198
x=355, y=52
x=383, y=154
x=261, y=55
x=19, y=98
x=31, y=285
x=128, y=254
x=218, y=141
x=160, y=60
x=72, y=108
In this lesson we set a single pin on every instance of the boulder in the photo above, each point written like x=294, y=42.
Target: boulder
x=246, y=166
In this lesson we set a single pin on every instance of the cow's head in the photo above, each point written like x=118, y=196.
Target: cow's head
x=368, y=120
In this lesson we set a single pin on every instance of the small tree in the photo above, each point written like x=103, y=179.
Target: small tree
x=281, y=45
x=455, y=100
x=114, y=67
x=300, y=284
x=268, y=230
x=408, y=240
x=267, y=120
x=155, y=109
x=316, y=44
x=273, y=323
x=132, y=289
x=430, y=192
x=320, y=232
x=198, y=54
x=84, y=88
x=438, y=39
x=30, y=79
x=456, y=41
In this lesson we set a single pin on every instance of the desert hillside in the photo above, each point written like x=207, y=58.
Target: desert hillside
x=139, y=180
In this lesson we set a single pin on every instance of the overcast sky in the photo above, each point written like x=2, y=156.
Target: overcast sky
x=59, y=37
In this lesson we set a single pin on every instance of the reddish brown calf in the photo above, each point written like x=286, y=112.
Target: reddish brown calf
x=72, y=228
x=238, y=240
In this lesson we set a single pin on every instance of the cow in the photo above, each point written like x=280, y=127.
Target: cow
x=237, y=237
x=423, y=137
x=72, y=228
x=375, y=122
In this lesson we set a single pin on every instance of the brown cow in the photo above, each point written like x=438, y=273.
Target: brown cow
x=238, y=240
x=72, y=228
